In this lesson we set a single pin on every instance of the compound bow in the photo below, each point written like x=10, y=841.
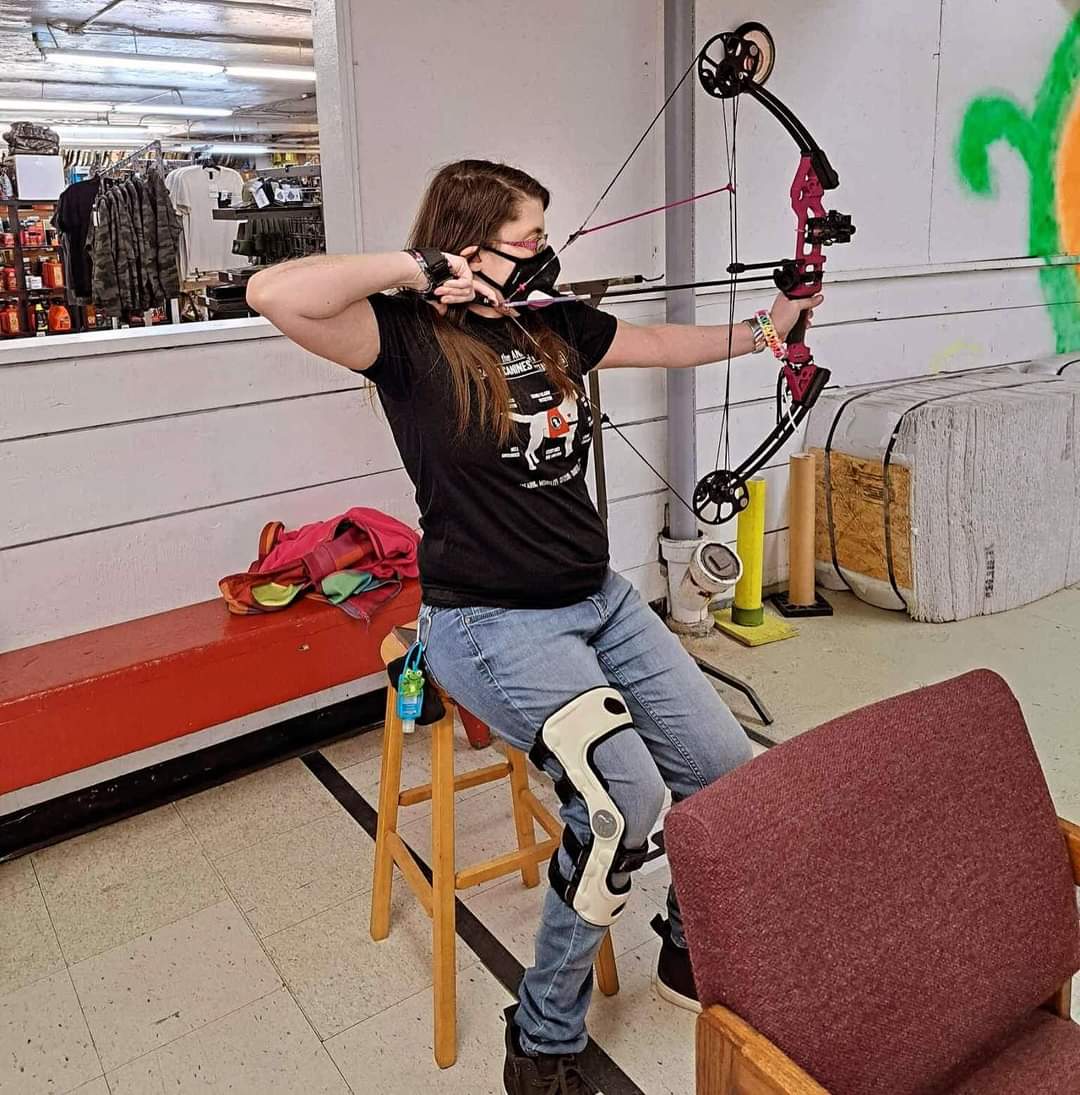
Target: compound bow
x=729, y=65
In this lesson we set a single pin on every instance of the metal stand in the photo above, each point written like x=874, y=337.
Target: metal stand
x=739, y=685
x=820, y=607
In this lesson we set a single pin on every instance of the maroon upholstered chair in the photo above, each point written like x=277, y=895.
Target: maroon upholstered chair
x=885, y=906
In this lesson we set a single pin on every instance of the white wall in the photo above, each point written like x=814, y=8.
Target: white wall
x=564, y=90
x=134, y=480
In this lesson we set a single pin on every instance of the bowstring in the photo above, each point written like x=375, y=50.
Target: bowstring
x=723, y=441
x=732, y=186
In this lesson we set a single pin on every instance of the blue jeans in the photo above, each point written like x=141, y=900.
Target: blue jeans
x=513, y=668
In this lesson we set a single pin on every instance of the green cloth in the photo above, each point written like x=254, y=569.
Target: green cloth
x=274, y=595
x=342, y=584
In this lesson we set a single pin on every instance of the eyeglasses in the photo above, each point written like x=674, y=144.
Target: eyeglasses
x=537, y=243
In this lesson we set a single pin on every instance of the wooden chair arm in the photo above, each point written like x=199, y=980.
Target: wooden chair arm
x=734, y=1059
x=1071, y=833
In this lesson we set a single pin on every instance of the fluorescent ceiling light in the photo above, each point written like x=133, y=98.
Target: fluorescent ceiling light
x=273, y=72
x=142, y=61
x=157, y=62
x=230, y=149
x=94, y=106
x=95, y=142
x=106, y=132
x=172, y=110
x=235, y=149
x=52, y=106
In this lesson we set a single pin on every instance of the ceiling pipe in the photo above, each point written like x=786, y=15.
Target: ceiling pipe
x=231, y=5
x=118, y=30
x=79, y=28
x=236, y=125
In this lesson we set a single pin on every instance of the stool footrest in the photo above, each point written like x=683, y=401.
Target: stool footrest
x=422, y=792
x=546, y=819
x=504, y=864
x=411, y=872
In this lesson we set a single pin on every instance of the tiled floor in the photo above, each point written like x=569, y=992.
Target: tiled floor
x=220, y=944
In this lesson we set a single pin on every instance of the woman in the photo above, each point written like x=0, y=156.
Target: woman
x=525, y=623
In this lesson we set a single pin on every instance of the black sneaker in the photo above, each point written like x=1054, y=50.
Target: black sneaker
x=674, y=980
x=547, y=1074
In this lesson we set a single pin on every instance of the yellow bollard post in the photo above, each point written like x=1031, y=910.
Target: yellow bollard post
x=748, y=610
x=746, y=619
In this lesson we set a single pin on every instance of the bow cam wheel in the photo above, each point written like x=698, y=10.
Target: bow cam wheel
x=729, y=61
x=720, y=496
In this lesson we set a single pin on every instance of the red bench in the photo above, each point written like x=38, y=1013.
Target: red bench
x=84, y=699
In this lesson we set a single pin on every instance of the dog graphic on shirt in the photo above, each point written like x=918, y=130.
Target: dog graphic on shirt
x=557, y=424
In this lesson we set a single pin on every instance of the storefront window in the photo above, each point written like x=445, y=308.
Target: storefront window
x=142, y=185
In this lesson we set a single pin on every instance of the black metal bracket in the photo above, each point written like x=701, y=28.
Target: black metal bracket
x=739, y=685
x=783, y=605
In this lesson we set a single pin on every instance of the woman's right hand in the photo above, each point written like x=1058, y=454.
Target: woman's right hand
x=462, y=288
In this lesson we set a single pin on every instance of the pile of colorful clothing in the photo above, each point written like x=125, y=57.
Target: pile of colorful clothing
x=356, y=561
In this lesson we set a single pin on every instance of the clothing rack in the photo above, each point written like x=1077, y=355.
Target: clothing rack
x=138, y=154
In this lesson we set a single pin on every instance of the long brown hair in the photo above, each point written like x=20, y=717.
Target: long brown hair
x=466, y=203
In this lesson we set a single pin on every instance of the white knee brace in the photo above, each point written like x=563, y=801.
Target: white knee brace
x=571, y=735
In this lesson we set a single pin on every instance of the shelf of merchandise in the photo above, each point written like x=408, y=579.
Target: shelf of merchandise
x=270, y=210
x=9, y=211
x=292, y=171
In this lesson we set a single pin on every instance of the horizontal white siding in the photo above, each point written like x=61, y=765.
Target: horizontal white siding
x=122, y=507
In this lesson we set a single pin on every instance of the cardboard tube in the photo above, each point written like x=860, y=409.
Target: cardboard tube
x=748, y=610
x=801, y=500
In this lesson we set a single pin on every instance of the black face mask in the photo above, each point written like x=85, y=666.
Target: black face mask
x=539, y=272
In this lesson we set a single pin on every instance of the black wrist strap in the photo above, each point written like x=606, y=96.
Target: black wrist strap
x=434, y=265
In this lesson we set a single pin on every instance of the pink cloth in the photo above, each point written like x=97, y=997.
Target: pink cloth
x=359, y=539
x=322, y=545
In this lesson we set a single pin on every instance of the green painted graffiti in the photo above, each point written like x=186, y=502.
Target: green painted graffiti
x=1036, y=137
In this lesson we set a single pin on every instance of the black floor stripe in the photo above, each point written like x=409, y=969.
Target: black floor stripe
x=504, y=967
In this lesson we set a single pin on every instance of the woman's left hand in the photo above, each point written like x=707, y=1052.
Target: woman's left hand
x=785, y=313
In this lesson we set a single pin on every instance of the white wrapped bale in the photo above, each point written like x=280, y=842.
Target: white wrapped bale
x=981, y=473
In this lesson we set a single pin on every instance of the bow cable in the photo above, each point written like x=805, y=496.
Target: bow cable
x=729, y=188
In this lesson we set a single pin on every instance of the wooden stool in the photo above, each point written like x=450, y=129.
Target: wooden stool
x=438, y=896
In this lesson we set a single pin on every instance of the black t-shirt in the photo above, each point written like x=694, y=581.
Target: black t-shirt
x=509, y=526
x=73, y=209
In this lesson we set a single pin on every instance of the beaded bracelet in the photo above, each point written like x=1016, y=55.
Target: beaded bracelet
x=769, y=331
x=757, y=333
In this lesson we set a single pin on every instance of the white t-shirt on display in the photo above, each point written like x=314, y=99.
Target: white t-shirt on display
x=206, y=244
